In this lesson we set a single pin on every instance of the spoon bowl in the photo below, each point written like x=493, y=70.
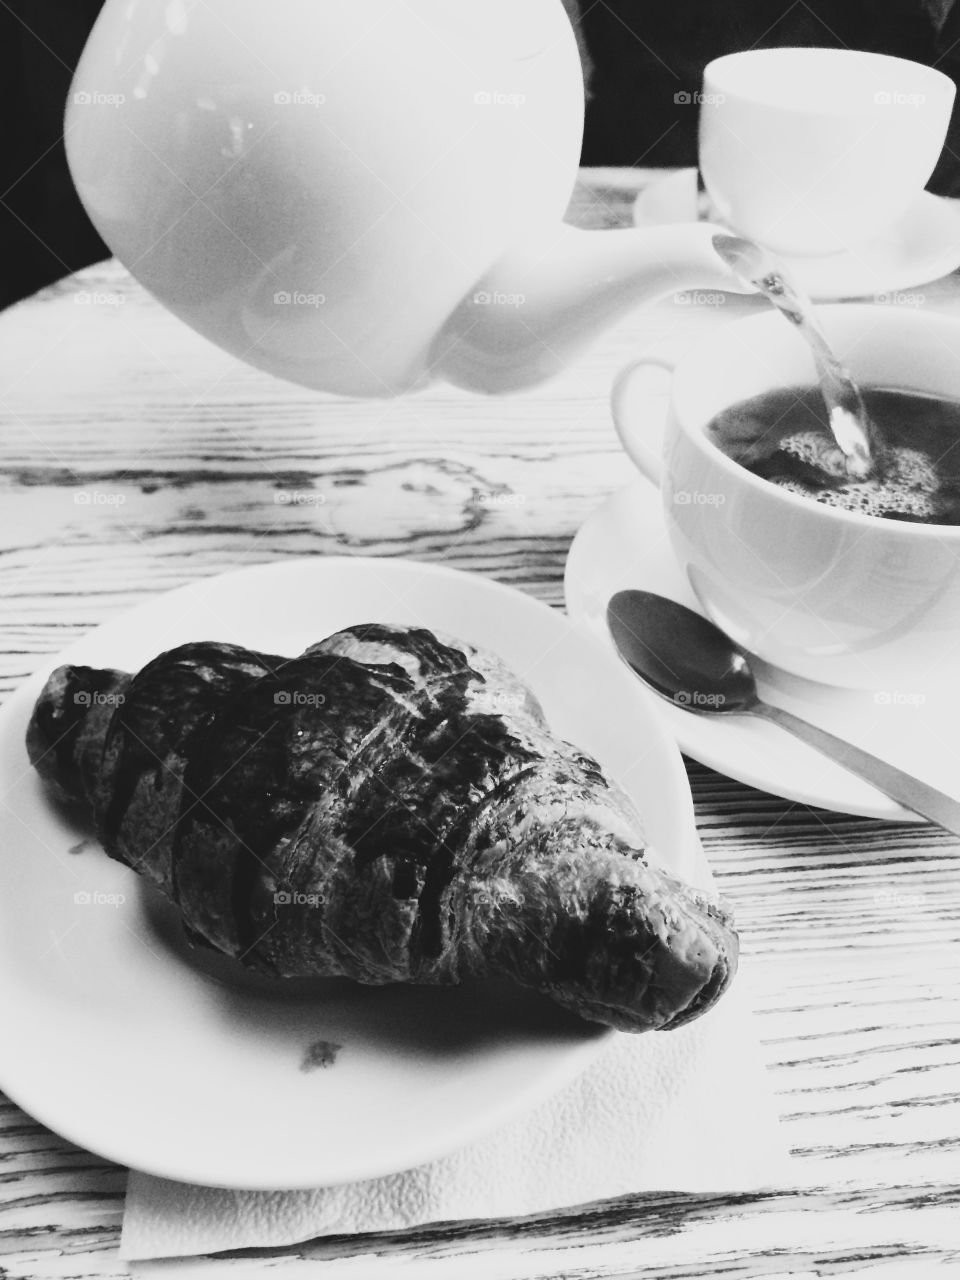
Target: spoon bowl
x=680, y=654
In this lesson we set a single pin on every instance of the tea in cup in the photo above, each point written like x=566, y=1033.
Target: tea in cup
x=785, y=437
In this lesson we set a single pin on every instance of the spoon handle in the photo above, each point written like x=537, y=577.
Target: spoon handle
x=893, y=782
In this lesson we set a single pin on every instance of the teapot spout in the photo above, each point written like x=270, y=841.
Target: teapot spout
x=551, y=295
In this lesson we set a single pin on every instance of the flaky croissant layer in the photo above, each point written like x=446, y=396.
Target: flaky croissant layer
x=388, y=807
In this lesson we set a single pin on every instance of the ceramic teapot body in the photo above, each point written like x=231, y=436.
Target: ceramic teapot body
x=340, y=192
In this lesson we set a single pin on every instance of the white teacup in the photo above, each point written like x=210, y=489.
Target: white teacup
x=816, y=150
x=832, y=595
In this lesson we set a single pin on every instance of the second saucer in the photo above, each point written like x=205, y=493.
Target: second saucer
x=624, y=544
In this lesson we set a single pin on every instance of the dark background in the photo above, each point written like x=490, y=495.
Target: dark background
x=637, y=54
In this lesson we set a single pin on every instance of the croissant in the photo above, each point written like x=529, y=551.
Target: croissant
x=390, y=807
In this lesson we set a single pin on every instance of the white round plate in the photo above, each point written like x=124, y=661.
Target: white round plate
x=119, y=1036
x=923, y=246
x=624, y=544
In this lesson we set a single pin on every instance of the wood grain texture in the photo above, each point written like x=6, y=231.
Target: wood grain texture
x=135, y=457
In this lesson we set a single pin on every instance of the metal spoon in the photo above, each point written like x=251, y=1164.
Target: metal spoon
x=696, y=666
x=852, y=427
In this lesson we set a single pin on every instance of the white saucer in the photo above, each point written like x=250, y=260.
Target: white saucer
x=923, y=246
x=624, y=544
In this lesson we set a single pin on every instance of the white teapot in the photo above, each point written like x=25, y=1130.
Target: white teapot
x=360, y=195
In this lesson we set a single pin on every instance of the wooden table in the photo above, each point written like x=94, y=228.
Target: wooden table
x=850, y=927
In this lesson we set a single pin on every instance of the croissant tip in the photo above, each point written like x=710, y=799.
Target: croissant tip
x=59, y=716
x=716, y=984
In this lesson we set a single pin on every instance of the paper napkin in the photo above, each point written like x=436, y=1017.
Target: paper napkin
x=687, y=1110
